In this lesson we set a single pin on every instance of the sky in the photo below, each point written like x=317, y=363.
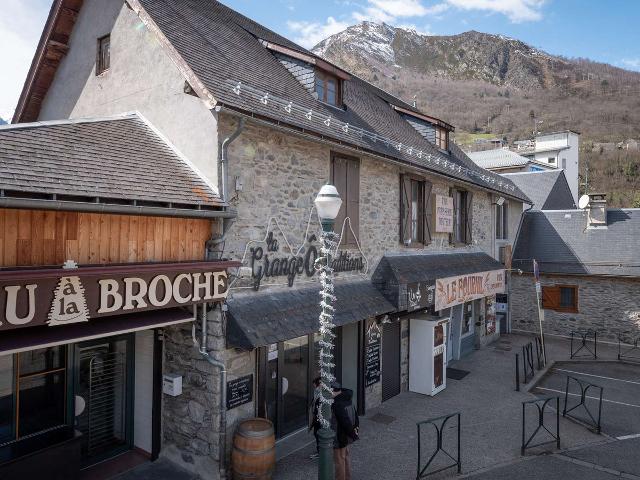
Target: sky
x=601, y=31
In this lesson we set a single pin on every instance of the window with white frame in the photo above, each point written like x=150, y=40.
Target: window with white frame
x=502, y=222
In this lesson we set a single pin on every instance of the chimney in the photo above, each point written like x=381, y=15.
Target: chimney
x=597, y=211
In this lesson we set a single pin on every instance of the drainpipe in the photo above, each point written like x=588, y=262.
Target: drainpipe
x=223, y=158
x=202, y=348
x=217, y=239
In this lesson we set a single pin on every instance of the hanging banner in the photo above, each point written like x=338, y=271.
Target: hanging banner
x=62, y=296
x=419, y=295
x=465, y=288
x=443, y=214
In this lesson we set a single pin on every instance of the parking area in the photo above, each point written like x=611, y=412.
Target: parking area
x=620, y=395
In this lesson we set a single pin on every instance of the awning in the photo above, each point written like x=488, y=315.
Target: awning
x=23, y=339
x=260, y=319
x=409, y=281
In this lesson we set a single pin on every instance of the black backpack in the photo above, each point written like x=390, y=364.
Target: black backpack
x=352, y=413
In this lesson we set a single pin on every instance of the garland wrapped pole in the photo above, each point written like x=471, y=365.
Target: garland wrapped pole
x=328, y=204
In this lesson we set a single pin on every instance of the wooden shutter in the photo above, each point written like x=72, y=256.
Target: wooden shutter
x=469, y=217
x=428, y=212
x=405, y=209
x=353, y=200
x=339, y=180
x=452, y=235
x=550, y=297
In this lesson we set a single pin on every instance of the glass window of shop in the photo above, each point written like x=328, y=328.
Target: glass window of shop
x=32, y=392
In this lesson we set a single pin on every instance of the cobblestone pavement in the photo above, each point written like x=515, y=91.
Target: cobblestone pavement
x=491, y=422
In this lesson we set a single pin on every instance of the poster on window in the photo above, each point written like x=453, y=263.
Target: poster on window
x=465, y=288
x=443, y=214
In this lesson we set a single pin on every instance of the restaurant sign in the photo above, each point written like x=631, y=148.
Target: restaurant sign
x=72, y=295
x=419, y=295
x=443, y=214
x=465, y=288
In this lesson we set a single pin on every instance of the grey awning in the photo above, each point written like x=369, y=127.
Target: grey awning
x=260, y=318
x=396, y=273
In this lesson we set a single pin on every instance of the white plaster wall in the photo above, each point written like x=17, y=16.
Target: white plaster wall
x=143, y=395
x=141, y=77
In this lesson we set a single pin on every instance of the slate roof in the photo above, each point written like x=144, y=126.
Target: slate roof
x=561, y=243
x=113, y=159
x=259, y=319
x=498, y=158
x=547, y=189
x=222, y=48
x=395, y=272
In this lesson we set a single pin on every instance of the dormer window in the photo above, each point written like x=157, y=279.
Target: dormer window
x=328, y=88
x=442, y=138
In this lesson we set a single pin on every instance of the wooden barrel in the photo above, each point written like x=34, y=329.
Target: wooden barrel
x=254, y=450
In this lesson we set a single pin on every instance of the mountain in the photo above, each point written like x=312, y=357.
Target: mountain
x=492, y=85
x=2, y=122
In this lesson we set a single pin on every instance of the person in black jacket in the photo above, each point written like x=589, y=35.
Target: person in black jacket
x=345, y=423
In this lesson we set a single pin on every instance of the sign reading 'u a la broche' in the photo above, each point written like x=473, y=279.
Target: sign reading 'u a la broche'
x=65, y=296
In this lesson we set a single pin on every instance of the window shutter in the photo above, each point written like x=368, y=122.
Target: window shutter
x=469, y=217
x=452, y=236
x=353, y=200
x=505, y=220
x=428, y=212
x=339, y=180
x=405, y=209
x=550, y=297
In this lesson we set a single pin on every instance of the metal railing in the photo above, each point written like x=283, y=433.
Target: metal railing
x=541, y=404
x=629, y=352
x=584, y=343
x=438, y=424
x=584, y=389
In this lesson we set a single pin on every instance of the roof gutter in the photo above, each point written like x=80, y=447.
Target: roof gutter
x=317, y=137
x=63, y=205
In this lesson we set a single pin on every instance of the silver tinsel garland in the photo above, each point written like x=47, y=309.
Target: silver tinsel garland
x=323, y=265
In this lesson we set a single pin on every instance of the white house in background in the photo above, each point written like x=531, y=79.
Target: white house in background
x=557, y=150
x=503, y=160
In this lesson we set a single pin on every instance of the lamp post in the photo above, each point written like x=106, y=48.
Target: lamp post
x=327, y=204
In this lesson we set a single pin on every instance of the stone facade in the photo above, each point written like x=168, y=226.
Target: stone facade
x=609, y=305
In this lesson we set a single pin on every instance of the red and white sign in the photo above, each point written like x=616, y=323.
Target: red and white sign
x=465, y=288
x=443, y=214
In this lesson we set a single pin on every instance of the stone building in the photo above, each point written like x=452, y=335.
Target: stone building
x=269, y=123
x=588, y=271
x=103, y=256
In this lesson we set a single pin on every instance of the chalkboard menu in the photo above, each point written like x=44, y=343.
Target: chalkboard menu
x=239, y=391
x=372, y=363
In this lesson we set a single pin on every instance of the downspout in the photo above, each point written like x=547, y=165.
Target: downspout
x=202, y=348
x=217, y=239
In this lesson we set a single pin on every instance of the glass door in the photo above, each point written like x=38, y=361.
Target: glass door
x=295, y=384
x=103, y=396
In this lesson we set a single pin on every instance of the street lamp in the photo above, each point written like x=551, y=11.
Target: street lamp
x=327, y=204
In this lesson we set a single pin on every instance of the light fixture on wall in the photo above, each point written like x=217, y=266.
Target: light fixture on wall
x=500, y=201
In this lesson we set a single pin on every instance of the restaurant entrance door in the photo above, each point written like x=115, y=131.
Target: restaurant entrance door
x=103, y=397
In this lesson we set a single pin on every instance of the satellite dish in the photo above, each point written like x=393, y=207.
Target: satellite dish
x=583, y=202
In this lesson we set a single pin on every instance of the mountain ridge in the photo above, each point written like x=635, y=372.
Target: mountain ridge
x=492, y=85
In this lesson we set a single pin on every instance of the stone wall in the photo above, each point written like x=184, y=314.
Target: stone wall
x=608, y=305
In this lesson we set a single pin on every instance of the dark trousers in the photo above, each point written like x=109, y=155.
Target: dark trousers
x=316, y=427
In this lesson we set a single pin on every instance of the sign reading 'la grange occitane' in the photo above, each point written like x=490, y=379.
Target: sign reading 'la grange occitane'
x=61, y=297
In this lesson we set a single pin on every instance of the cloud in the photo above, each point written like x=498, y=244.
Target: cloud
x=20, y=26
x=309, y=34
x=515, y=10
x=631, y=63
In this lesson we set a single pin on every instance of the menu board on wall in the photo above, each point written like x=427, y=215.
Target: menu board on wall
x=372, y=355
x=239, y=391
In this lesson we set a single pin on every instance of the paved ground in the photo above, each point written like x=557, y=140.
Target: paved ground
x=491, y=421
x=621, y=393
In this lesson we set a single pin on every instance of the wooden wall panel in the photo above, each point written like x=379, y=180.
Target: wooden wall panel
x=40, y=238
